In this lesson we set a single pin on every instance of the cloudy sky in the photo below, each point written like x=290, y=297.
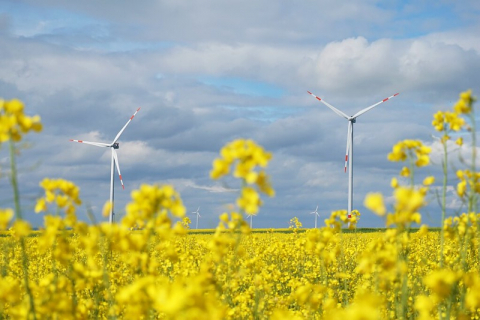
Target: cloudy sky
x=205, y=73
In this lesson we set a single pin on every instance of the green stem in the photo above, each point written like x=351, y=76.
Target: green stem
x=25, y=278
x=13, y=177
x=18, y=215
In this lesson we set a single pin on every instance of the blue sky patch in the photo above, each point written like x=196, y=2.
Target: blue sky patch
x=243, y=86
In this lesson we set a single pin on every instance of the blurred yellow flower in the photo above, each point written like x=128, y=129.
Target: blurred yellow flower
x=405, y=172
x=464, y=104
x=107, y=207
x=374, y=202
x=408, y=148
x=428, y=180
x=13, y=121
x=394, y=183
x=6, y=216
x=249, y=200
x=21, y=228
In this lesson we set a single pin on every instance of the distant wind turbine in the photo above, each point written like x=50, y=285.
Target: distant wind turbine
x=251, y=219
x=198, y=215
x=349, y=151
x=114, y=145
x=316, y=215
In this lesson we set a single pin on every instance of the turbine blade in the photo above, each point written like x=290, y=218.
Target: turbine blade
x=373, y=106
x=348, y=143
x=97, y=144
x=114, y=153
x=340, y=113
x=121, y=131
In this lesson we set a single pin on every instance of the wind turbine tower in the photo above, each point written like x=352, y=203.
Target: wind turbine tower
x=316, y=215
x=198, y=215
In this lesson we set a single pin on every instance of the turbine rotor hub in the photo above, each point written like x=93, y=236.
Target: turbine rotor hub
x=116, y=145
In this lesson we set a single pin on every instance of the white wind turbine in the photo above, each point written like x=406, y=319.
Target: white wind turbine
x=198, y=215
x=251, y=219
x=114, y=145
x=316, y=215
x=349, y=151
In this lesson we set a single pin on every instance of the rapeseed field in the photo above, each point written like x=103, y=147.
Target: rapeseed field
x=150, y=266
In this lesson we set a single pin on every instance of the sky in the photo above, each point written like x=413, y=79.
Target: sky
x=207, y=73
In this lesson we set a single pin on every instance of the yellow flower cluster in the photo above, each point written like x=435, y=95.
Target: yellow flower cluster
x=467, y=179
x=246, y=156
x=294, y=223
x=13, y=121
x=6, y=216
x=464, y=104
x=445, y=121
x=64, y=193
x=403, y=149
x=151, y=205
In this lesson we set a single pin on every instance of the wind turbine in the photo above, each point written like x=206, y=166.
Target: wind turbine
x=198, y=215
x=114, y=145
x=349, y=151
x=251, y=219
x=316, y=215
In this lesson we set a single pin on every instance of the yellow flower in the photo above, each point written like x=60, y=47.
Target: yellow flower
x=445, y=121
x=374, y=202
x=14, y=123
x=428, y=180
x=249, y=200
x=405, y=172
x=6, y=216
x=407, y=148
x=151, y=203
x=107, y=207
x=424, y=305
x=21, y=228
x=408, y=199
x=464, y=104
x=394, y=183
x=459, y=141
x=441, y=282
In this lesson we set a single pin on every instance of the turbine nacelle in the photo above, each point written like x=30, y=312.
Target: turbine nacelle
x=116, y=145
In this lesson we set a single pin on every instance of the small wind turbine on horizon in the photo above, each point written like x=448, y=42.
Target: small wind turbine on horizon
x=251, y=219
x=198, y=215
x=349, y=151
x=316, y=215
x=114, y=145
